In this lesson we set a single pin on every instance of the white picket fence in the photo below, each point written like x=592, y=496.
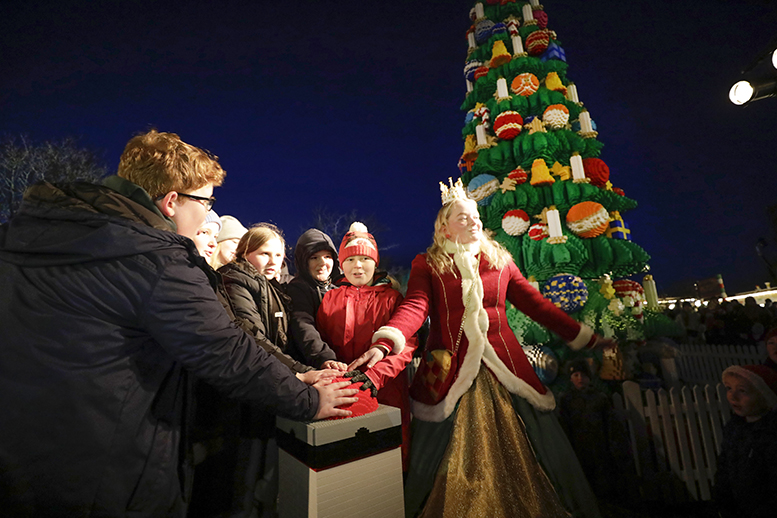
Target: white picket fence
x=676, y=436
x=704, y=363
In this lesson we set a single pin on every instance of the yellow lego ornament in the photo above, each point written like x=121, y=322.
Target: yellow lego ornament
x=606, y=289
x=562, y=171
x=499, y=54
x=553, y=82
x=540, y=175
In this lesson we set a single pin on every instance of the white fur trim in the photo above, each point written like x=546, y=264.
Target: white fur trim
x=358, y=226
x=394, y=335
x=476, y=331
x=582, y=338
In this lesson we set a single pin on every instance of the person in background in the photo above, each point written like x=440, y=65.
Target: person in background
x=262, y=309
x=229, y=236
x=107, y=310
x=597, y=436
x=483, y=426
x=207, y=235
x=770, y=339
x=315, y=258
x=746, y=476
x=690, y=322
x=350, y=315
x=214, y=435
x=714, y=323
x=284, y=277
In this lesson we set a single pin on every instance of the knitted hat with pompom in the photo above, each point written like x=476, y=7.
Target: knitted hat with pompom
x=358, y=241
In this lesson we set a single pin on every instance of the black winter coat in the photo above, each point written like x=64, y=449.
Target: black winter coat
x=261, y=309
x=103, y=312
x=746, y=476
x=306, y=295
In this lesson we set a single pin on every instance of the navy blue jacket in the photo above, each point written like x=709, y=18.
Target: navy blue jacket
x=746, y=476
x=104, y=313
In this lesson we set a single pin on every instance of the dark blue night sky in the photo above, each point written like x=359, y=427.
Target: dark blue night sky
x=355, y=105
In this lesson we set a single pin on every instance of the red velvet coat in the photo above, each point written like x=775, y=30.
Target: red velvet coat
x=347, y=319
x=443, y=377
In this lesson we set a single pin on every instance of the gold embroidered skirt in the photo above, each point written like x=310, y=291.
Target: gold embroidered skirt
x=489, y=468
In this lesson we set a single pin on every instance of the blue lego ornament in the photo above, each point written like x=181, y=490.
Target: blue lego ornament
x=567, y=292
x=544, y=362
x=554, y=51
x=618, y=228
x=482, y=188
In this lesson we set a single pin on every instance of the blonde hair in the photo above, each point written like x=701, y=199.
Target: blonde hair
x=162, y=162
x=215, y=263
x=440, y=261
x=256, y=236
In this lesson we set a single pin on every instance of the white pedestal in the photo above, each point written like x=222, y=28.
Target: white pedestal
x=341, y=468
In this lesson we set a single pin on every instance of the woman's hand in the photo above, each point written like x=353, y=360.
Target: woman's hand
x=331, y=395
x=333, y=364
x=313, y=377
x=369, y=358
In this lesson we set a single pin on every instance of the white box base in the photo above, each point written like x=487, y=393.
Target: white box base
x=368, y=487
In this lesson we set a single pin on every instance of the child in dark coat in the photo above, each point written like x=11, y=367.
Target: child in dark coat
x=597, y=436
x=746, y=477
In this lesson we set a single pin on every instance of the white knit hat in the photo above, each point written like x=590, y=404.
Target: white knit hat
x=212, y=217
x=231, y=228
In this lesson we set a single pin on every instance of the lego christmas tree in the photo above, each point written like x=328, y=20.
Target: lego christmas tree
x=533, y=162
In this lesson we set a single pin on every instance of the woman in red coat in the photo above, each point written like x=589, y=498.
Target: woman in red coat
x=350, y=314
x=485, y=442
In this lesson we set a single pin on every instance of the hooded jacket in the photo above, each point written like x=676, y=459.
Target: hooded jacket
x=306, y=294
x=104, y=312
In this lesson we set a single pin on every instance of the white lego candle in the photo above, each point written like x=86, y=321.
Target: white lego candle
x=651, y=293
x=554, y=223
x=517, y=45
x=585, y=122
x=480, y=131
x=572, y=93
x=528, y=13
x=576, y=162
x=501, y=88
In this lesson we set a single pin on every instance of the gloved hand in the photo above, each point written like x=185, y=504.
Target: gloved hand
x=359, y=377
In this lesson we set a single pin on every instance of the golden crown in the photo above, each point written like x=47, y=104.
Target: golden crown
x=454, y=192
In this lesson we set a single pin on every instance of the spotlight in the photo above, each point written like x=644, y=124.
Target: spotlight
x=740, y=93
x=774, y=58
x=744, y=92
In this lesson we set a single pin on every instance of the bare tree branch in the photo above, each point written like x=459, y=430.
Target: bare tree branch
x=23, y=163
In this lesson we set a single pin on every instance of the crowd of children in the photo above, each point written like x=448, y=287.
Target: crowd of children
x=312, y=328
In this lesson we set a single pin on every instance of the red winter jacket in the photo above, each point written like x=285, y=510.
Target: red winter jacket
x=347, y=319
